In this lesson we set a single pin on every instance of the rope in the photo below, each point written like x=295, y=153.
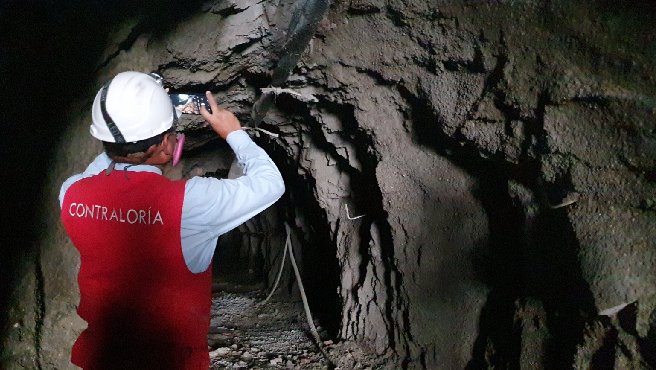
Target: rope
x=306, y=306
x=282, y=266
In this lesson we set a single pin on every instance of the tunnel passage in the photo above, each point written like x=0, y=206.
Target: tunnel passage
x=439, y=123
x=248, y=258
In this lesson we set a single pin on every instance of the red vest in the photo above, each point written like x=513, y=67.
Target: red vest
x=145, y=309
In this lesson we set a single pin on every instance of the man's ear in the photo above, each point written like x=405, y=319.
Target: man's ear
x=168, y=144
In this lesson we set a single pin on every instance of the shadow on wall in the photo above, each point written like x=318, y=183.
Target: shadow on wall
x=526, y=256
x=50, y=54
x=316, y=251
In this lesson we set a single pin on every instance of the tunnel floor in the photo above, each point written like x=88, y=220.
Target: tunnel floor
x=246, y=335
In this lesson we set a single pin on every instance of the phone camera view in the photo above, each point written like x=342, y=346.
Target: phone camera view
x=189, y=103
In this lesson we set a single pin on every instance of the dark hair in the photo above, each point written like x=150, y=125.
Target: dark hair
x=141, y=146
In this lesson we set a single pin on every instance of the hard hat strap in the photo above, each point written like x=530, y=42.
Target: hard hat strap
x=175, y=118
x=116, y=133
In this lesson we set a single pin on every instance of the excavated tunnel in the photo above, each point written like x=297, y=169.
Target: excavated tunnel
x=469, y=184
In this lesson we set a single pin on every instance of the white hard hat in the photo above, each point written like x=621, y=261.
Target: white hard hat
x=131, y=107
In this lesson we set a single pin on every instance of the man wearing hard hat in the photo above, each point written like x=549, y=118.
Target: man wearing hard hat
x=146, y=242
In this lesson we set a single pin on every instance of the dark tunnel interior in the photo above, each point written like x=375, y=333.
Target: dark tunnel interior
x=50, y=57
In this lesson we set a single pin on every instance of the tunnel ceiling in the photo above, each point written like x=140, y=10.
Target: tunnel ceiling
x=501, y=155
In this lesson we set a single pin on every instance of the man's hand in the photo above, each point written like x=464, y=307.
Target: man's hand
x=221, y=120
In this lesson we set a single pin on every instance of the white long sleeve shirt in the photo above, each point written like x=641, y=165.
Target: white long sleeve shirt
x=212, y=207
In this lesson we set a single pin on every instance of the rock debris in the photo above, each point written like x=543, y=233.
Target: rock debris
x=244, y=335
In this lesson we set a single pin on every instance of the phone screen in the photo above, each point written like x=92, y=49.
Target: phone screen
x=189, y=103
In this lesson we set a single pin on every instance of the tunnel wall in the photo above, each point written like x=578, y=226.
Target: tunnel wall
x=501, y=154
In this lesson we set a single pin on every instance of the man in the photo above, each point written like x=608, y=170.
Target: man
x=146, y=242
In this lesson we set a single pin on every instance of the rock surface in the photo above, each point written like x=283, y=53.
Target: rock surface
x=502, y=155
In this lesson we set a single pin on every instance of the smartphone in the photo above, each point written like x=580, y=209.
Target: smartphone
x=189, y=103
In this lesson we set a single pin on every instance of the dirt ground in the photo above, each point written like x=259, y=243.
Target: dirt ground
x=246, y=334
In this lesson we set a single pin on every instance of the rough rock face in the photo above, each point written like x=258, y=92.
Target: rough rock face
x=501, y=155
